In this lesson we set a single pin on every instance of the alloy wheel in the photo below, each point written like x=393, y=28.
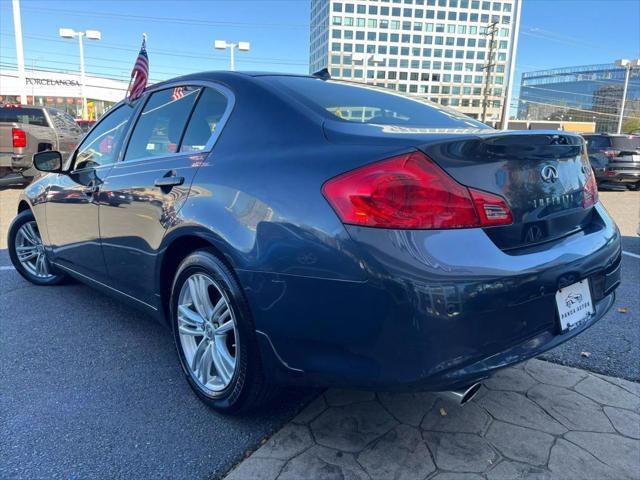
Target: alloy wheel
x=30, y=251
x=208, y=332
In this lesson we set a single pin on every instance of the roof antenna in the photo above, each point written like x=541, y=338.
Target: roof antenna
x=322, y=74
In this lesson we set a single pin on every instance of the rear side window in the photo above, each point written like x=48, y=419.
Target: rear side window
x=161, y=123
x=29, y=116
x=366, y=104
x=64, y=121
x=204, y=120
x=631, y=142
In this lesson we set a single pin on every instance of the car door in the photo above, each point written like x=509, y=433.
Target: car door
x=146, y=189
x=73, y=197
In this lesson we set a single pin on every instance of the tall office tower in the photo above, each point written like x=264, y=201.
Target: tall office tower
x=438, y=49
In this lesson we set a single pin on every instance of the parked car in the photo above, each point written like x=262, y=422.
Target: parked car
x=615, y=158
x=285, y=240
x=85, y=125
x=28, y=129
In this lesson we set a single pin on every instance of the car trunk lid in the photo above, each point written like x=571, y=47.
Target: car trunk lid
x=541, y=175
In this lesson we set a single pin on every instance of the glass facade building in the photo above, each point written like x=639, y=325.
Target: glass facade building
x=591, y=93
x=438, y=49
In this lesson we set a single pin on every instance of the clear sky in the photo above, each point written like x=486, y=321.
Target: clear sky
x=554, y=33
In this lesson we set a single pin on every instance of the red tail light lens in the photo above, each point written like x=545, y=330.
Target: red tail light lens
x=590, y=191
x=411, y=192
x=492, y=209
x=19, y=138
x=611, y=153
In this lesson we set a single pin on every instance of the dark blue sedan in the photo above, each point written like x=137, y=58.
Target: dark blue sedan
x=296, y=230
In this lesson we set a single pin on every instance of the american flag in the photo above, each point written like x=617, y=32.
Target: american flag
x=178, y=93
x=140, y=72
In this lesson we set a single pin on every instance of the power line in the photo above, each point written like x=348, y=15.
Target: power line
x=171, y=53
x=180, y=21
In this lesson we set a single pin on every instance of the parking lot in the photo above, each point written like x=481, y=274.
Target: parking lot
x=93, y=389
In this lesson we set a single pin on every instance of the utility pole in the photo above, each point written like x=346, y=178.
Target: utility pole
x=491, y=32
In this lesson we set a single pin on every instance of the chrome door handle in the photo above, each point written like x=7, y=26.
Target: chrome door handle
x=168, y=181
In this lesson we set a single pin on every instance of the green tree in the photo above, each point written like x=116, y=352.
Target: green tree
x=631, y=125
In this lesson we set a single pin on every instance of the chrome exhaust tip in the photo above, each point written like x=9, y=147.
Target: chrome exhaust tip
x=463, y=395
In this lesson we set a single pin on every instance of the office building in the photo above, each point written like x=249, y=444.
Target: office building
x=591, y=93
x=438, y=49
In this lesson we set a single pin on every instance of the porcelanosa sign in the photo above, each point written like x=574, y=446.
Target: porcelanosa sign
x=52, y=82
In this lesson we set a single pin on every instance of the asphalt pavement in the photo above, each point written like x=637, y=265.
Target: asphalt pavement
x=93, y=389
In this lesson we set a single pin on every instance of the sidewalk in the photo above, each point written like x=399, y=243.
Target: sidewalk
x=535, y=421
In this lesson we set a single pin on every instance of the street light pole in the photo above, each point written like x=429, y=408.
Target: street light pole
x=223, y=45
x=506, y=106
x=628, y=65
x=91, y=35
x=17, y=28
x=82, y=92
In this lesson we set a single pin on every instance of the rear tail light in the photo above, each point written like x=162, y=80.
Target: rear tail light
x=411, y=192
x=611, y=153
x=492, y=209
x=590, y=191
x=19, y=138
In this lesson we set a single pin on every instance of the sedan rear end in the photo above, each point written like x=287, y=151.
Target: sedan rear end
x=478, y=248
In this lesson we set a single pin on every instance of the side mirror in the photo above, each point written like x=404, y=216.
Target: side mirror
x=49, y=161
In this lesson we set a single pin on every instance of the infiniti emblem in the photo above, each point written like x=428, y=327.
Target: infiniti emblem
x=534, y=234
x=549, y=173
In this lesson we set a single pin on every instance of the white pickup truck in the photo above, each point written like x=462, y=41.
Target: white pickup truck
x=28, y=129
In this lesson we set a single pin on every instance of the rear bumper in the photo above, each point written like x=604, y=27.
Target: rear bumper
x=16, y=161
x=626, y=174
x=439, y=310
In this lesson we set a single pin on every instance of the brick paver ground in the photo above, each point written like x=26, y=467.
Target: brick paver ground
x=534, y=421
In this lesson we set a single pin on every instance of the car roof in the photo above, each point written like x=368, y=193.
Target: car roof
x=223, y=76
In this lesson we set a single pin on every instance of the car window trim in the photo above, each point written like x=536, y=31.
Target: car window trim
x=184, y=127
x=120, y=104
x=222, y=89
x=186, y=124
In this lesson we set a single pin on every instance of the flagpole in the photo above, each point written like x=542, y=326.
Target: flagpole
x=126, y=95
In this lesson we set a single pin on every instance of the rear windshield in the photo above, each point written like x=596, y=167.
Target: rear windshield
x=366, y=104
x=631, y=142
x=597, y=141
x=30, y=116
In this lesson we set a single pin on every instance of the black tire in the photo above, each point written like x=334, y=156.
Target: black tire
x=249, y=386
x=55, y=278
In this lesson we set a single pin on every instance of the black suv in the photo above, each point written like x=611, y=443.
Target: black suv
x=615, y=159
